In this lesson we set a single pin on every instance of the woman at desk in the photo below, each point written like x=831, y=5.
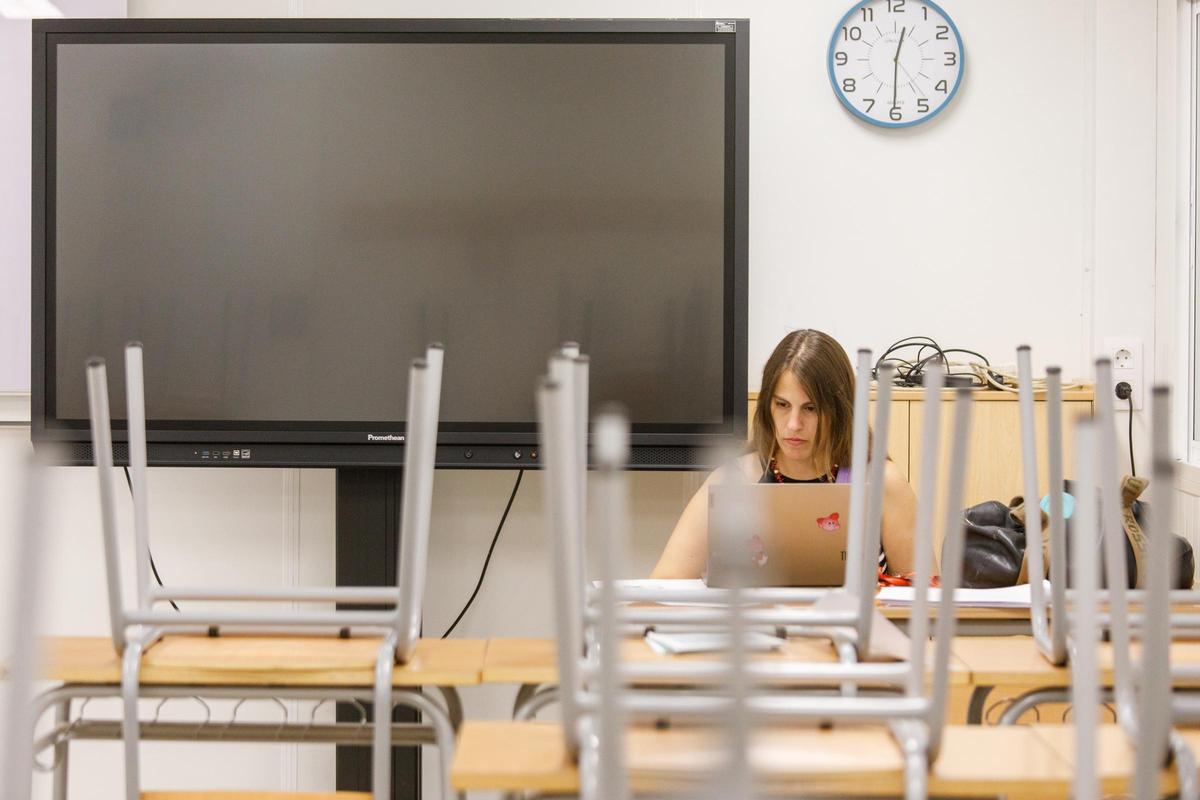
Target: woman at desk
x=802, y=433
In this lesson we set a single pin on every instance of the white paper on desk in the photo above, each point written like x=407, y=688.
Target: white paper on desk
x=668, y=644
x=673, y=584
x=670, y=584
x=1018, y=596
x=888, y=642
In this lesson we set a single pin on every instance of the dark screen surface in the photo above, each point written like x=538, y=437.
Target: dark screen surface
x=285, y=224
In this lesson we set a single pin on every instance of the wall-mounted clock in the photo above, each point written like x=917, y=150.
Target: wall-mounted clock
x=896, y=63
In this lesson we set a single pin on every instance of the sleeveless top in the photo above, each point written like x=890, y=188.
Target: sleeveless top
x=841, y=476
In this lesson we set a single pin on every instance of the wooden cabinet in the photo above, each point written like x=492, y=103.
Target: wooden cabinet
x=994, y=469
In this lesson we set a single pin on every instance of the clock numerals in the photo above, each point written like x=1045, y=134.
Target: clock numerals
x=894, y=64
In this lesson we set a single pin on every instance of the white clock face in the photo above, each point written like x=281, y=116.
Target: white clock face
x=895, y=62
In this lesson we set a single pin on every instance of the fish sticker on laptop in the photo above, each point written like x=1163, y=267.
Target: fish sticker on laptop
x=829, y=523
x=758, y=551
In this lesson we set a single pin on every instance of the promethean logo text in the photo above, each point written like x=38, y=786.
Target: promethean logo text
x=387, y=437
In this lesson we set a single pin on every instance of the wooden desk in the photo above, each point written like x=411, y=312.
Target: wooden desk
x=262, y=661
x=1016, y=661
x=971, y=621
x=256, y=796
x=1114, y=756
x=534, y=661
x=1013, y=667
x=850, y=760
x=256, y=667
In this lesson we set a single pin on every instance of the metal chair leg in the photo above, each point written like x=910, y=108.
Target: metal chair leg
x=131, y=663
x=62, y=715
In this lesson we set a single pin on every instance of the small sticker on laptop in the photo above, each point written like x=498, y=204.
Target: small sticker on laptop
x=758, y=551
x=830, y=523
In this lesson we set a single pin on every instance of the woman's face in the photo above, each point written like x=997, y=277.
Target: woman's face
x=795, y=418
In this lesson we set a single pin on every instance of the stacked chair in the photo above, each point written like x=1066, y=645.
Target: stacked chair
x=843, y=615
x=598, y=693
x=1069, y=628
x=139, y=627
x=1147, y=708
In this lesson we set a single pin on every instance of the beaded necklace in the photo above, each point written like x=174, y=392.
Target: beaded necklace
x=774, y=467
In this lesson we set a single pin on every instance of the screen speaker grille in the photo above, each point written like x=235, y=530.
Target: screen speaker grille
x=81, y=453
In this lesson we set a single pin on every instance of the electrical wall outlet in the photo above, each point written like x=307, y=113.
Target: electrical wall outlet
x=1128, y=366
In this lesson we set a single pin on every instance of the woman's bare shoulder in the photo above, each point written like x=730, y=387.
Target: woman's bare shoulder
x=746, y=466
x=750, y=466
x=893, y=478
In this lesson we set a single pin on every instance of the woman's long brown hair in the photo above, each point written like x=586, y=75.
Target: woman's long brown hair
x=823, y=370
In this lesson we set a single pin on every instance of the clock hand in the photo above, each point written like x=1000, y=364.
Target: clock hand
x=896, y=66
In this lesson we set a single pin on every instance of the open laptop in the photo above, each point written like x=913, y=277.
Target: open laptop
x=800, y=541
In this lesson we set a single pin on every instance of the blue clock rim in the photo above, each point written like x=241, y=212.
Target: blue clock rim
x=845, y=101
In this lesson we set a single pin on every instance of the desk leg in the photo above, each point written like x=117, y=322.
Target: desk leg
x=524, y=693
x=1036, y=697
x=453, y=705
x=978, y=704
x=62, y=715
x=536, y=702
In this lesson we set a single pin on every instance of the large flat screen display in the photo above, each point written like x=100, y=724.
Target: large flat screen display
x=284, y=213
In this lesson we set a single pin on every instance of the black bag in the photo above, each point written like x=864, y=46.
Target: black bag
x=994, y=553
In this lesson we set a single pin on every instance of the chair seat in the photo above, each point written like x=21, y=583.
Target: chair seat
x=853, y=760
x=227, y=795
x=237, y=660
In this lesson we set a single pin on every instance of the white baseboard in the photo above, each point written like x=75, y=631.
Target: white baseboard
x=14, y=408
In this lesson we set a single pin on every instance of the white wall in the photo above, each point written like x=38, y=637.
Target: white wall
x=1027, y=182
x=16, y=53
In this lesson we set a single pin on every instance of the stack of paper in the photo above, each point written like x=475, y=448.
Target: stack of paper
x=708, y=642
x=1003, y=597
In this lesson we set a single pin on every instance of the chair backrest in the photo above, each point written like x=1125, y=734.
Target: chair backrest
x=404, y=621
x=863, y=545
x=102, y=451
x=918, y=621
x=856, y=537
x=23, y=606
x=559, y=461
x=424, y=401
x=1154, y=690
x=569, y=370
x=1084, y=623
x=1051, y=638
x=1112, y=534
x=953, y=535
x=612, y=491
